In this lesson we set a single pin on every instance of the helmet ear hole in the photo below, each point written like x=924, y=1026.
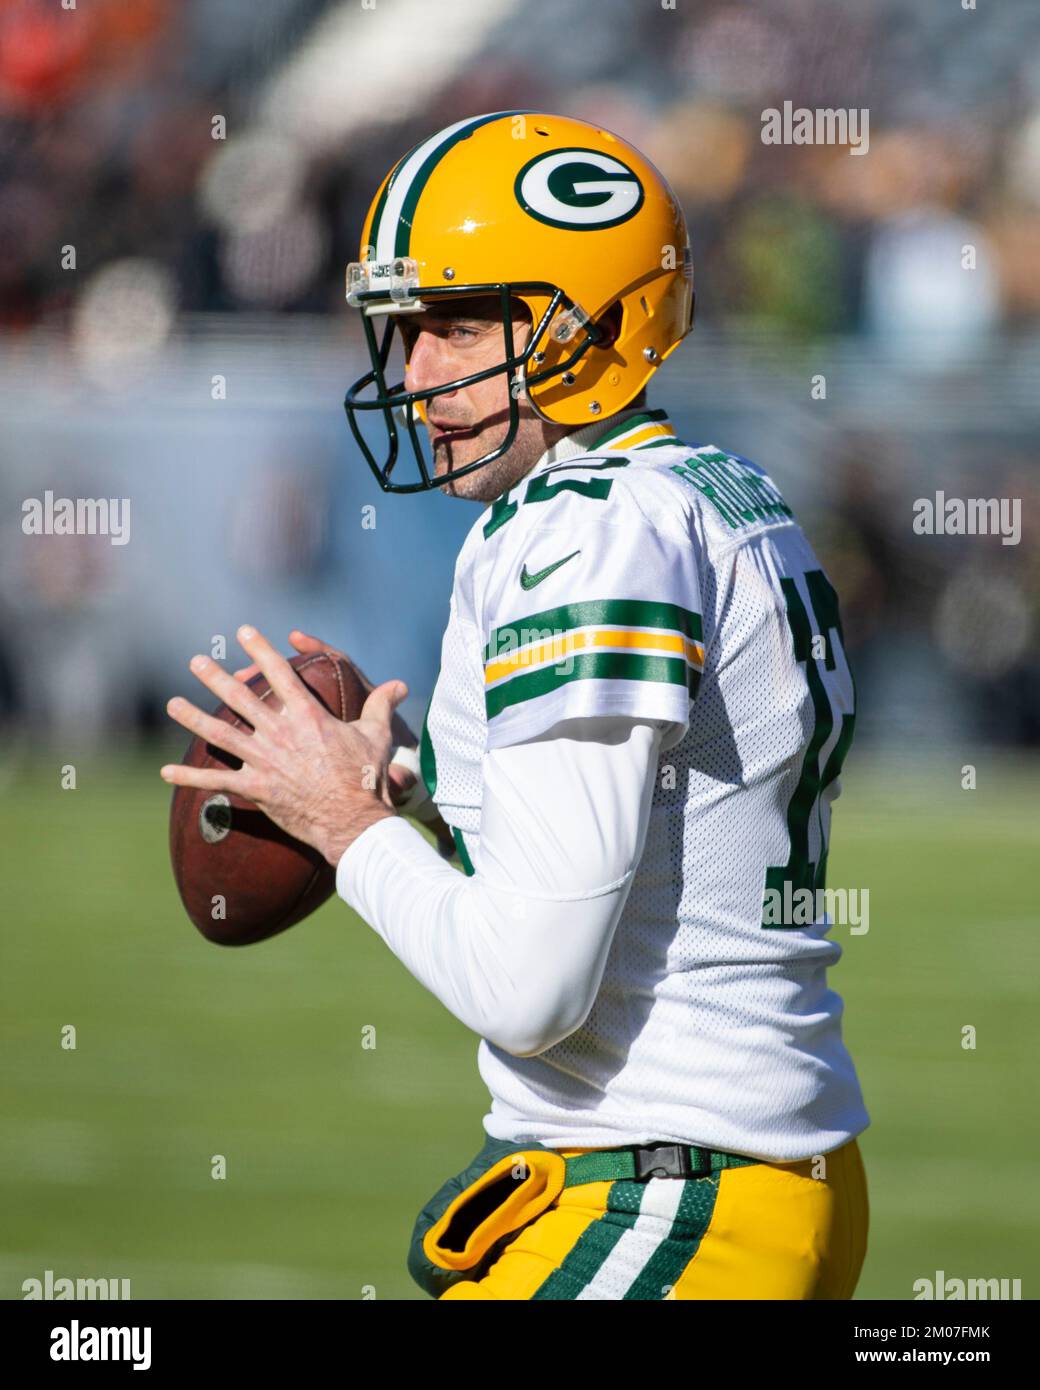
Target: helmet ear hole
x=609, y=324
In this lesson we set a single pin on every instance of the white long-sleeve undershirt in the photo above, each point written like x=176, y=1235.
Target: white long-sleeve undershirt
x=517, y=950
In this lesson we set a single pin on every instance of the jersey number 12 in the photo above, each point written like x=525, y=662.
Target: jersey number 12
x=822, y=630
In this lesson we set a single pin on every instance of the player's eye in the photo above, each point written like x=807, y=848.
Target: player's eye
x=453, y=332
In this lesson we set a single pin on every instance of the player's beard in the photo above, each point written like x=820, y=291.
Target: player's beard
x=489, y=482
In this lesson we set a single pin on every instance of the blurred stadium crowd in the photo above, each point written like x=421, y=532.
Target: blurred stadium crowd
x=210, y=163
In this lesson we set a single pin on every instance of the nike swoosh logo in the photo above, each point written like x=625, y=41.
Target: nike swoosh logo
x=528, y=581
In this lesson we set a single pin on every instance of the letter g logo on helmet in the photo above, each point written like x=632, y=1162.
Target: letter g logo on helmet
x=579, y=189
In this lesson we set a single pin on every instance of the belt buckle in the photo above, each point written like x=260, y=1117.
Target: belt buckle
x=664, y=1161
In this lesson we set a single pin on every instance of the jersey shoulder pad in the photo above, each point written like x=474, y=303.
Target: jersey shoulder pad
x=587, y=601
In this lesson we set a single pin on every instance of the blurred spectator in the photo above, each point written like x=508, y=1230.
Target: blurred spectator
x=184, y=182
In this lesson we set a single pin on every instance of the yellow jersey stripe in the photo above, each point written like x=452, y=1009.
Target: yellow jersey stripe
x=640, y=434
x=557, y=648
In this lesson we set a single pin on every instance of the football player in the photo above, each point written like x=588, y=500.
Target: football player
x=632, y=746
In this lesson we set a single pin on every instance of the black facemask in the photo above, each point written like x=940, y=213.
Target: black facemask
x=395, y=400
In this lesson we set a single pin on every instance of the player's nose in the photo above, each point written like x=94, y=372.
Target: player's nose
x=427, y=364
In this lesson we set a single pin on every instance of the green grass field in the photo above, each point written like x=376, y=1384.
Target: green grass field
x=185, y=1050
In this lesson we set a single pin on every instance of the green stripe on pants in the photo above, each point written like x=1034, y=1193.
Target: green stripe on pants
x=678, y=1248
x=595, y=1243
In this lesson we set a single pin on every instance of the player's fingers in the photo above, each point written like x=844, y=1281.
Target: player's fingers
x=245, y=702
x=281, y=677
x=383, y=700
x=401, y=780
x=307, y=645
x=304, y=643
x=206, y=779
x=215, y=731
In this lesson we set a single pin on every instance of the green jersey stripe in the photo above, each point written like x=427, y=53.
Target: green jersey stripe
x=583, y=462
x=668, y=670
x=666, y=441
x=460, y=845
x=647, y=417
x=617, y=612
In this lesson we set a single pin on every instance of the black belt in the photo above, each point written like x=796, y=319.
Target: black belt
x=640, y=1163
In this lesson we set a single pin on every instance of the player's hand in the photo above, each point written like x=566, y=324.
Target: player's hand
x=400, y=779
x=306, y=645
x=321, y=779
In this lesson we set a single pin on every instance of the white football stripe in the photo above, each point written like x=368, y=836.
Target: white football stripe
x=629, y=1257
x=395, y=199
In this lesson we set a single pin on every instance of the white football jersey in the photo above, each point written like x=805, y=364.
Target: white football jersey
x=630, y=573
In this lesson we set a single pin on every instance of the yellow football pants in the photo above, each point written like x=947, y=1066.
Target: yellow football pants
x=769, y=1230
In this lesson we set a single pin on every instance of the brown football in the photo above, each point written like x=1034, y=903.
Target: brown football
x=240, y=877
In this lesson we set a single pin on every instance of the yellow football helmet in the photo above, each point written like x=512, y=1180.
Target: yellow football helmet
x=554, y=212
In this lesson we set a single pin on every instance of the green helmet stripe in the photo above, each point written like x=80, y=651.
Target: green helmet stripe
x=401, y=203
x=411, y=201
